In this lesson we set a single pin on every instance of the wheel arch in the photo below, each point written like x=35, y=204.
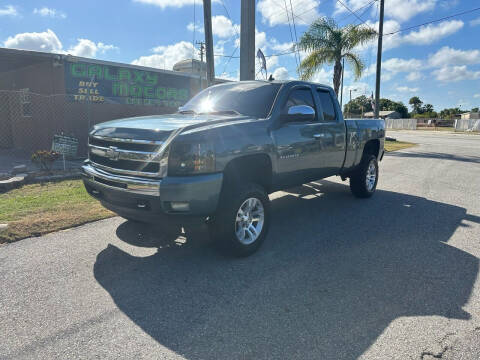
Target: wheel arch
x=372, y=147
x=256, y=168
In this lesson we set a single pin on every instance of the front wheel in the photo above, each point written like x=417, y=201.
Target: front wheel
x=242, y=220
x=363, y=181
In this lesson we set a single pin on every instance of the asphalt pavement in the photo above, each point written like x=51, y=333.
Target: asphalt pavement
x=391, y=277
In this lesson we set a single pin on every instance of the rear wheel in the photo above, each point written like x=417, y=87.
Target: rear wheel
x=363, y=181
x=242, y=220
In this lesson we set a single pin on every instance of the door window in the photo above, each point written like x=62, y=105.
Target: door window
x=301, y=96
x=328, y=108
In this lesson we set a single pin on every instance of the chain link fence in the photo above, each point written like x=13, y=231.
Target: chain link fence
x=29, y=121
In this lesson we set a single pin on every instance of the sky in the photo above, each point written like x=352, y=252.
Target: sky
x=439, y=62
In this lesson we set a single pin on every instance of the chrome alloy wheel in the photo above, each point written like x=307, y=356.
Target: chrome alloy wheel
x=249, y=221
x=371, y=175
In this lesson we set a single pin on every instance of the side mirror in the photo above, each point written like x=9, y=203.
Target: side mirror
x=300, y=113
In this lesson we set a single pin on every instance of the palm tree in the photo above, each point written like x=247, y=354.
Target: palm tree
x=329, y=44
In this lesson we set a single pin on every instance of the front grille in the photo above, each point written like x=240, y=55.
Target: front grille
x=124, y=145
x=126, y=156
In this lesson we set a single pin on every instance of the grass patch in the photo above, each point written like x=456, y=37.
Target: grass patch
x=397, y=145
x=37, y=209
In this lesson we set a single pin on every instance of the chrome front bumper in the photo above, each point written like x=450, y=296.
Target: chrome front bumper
x=119, y=182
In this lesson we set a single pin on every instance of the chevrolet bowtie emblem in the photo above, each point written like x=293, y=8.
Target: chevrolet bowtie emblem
x=113, y=153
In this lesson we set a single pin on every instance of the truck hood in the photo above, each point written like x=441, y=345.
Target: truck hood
x=157, y=127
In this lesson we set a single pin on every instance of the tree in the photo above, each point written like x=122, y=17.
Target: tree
x=475, y=109
x=389, y=105
x=357, y=105
x=416, y=104
x=327, y=43
x=354, y=107
x=428, y=108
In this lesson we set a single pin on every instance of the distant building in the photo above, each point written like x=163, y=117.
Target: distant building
x=470, y=116
x=385, y=114
x=191, y=66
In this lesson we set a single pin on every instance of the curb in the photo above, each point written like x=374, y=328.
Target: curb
x=3, y=227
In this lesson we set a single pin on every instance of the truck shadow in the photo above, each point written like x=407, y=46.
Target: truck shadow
x=331, y=276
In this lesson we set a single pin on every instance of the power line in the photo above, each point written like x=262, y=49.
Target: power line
x=236, y=32
x=433, y=21
x=290, y=27
x=295, y=28
x=369, y=4
x=350, y=10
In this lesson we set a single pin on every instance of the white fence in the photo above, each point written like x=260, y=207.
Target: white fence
x=404, y=124
x=467, y=125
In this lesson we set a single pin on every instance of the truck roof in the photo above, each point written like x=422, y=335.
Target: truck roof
x=289, y=82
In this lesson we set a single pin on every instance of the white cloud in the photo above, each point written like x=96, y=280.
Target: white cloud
x=48, y=41
x=198, y=27
x=449, y=56
x=425, y=35
x=475, y=22
x=455, y=73
x=414, y=75
x=281, y=73
x=9, y=10
x=407, y=89
x=87, y=48
x=476, y=96
x=401, y=65
x=166, y=56
x=223, y=27
x=282, y=47
x=48, y=12
x=172, y=3
x=401, y=10
x=432, y=33
x=41, y=41
x=273, y=11
x=323, y=77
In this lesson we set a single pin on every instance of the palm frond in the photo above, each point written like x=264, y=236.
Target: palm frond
x=356, y=63
x=357, y=35
x=323, y=33
x=314, y=61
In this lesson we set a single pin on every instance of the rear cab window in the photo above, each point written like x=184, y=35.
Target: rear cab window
x=327, y=104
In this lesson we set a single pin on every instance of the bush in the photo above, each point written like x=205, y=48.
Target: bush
x=44, y=159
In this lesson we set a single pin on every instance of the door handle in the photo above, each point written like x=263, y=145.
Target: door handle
x=318, y=136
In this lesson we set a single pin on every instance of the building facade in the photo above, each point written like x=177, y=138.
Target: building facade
x=44, y=94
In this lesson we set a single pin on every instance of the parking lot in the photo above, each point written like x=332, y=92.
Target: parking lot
x=391, y=277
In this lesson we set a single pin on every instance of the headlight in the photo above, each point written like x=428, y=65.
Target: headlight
x=191, y=158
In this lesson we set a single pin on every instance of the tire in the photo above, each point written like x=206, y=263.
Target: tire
x=363, y=181
x=242, y=220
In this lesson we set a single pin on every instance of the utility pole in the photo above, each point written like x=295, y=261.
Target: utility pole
x=379, y=60
x=247, y=40
x=202, y=51
x=207, y=21
x=341, y=91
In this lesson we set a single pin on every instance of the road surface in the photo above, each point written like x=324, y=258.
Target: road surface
x=392, y=277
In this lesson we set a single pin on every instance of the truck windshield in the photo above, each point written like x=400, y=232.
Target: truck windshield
x=246, y=98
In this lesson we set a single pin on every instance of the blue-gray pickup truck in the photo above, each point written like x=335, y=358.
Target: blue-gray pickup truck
x=224, y=151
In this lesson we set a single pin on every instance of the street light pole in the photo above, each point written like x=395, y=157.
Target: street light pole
x=207, y=21
x=247, y=40
x=379, y=60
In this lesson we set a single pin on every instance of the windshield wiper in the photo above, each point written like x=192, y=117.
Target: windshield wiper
x=187, y=112
x=223, y=112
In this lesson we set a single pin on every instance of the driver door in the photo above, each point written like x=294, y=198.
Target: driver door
x=297, y=142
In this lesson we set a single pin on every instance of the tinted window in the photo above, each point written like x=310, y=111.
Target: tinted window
x=248, y=98
x=327, y=106
x=300, y=97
